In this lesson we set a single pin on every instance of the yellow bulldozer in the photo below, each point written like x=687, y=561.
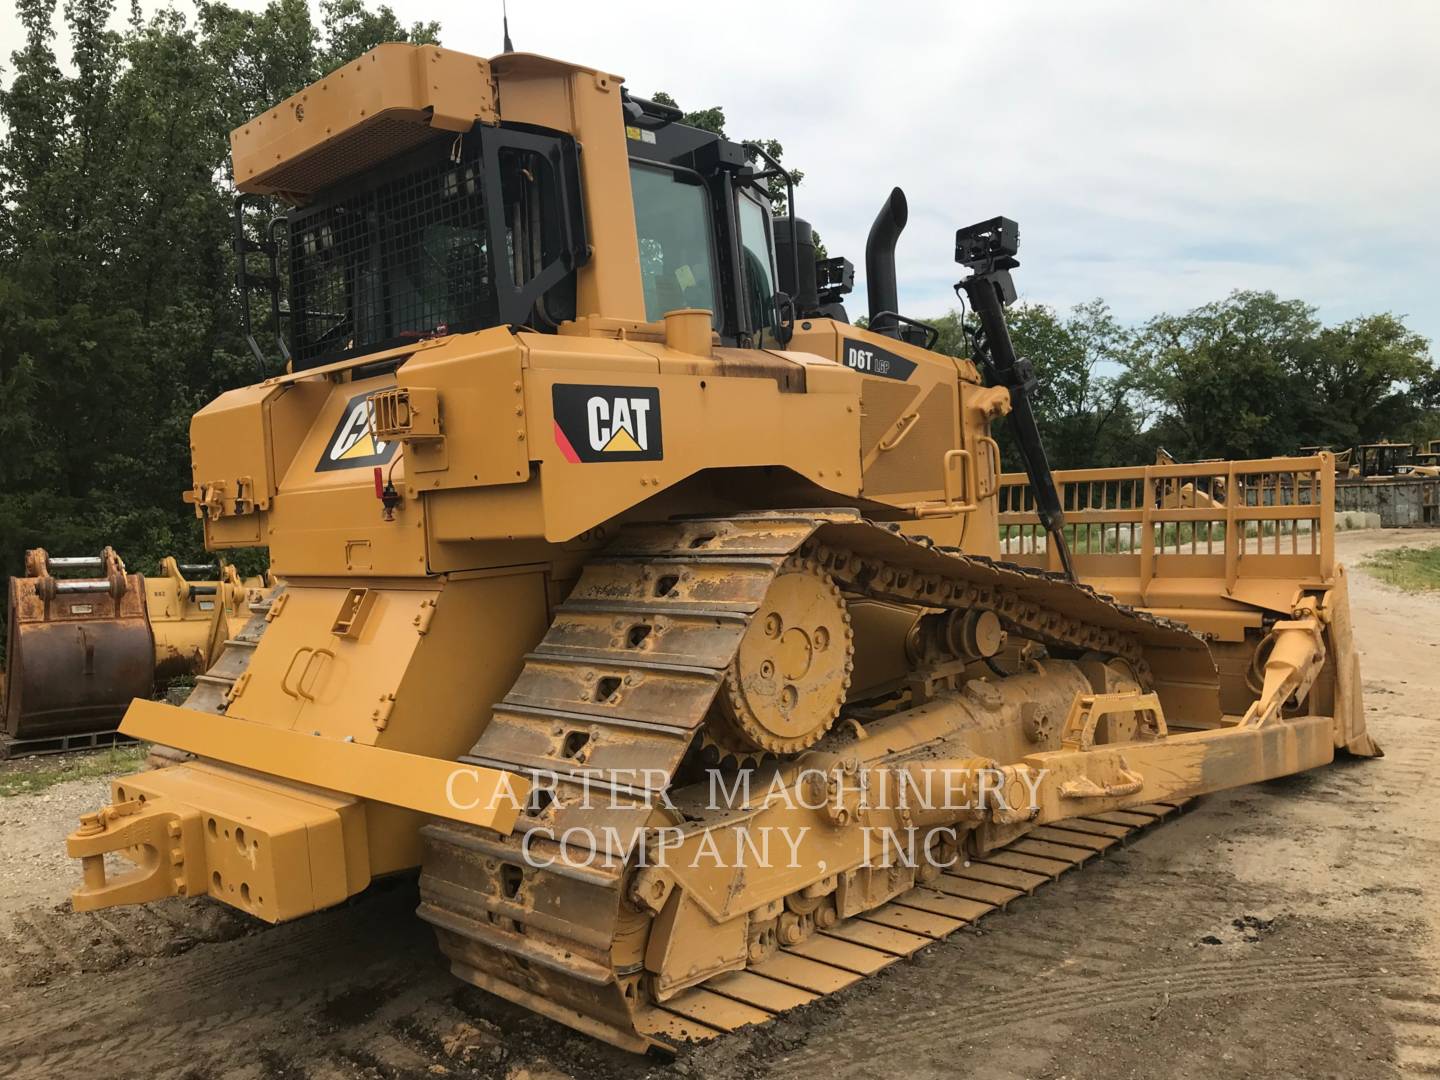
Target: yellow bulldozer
x=653, y=611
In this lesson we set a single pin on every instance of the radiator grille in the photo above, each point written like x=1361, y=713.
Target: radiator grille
x=917, y=464
x=363, y=148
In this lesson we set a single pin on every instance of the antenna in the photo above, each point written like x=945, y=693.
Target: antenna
x=505, y=21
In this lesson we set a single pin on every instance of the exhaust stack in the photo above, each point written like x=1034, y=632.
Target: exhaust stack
x=880, y=262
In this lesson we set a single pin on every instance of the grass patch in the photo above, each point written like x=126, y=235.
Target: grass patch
x=27, y=776
x=1411, y=569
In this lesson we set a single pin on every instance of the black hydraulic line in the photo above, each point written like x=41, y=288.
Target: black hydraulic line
x=996, y=668
x=988, y=249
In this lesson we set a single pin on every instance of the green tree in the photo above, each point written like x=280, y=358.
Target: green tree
x=1221, y=376
x=118, y=312
x=1254, y=375
x=1083, y=398
x=350, y=29
x=1365, y=380
x=1084, y=401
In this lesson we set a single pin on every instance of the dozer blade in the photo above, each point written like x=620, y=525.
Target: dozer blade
x=683, y=944
x=1229, y=568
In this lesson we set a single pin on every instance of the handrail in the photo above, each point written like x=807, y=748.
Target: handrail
x=1143, y=513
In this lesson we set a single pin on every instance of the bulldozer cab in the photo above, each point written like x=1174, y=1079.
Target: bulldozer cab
x=467, y=219
x=457, y=200
x=1384, y=458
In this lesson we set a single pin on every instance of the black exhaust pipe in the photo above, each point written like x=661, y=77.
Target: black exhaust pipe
x=880, y=264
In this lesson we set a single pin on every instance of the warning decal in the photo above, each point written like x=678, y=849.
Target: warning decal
x=352, y=445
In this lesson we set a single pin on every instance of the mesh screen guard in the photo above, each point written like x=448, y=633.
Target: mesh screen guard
x=463, y=233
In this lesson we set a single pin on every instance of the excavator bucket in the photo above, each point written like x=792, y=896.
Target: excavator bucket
x=79, y=650
x=194, y=609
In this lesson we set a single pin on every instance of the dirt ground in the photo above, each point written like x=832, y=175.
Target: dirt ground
x=1287, y=929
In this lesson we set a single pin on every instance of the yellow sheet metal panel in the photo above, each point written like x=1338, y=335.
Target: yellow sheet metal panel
x=329, y=520
x=402, y=674
x=481, y=437
x=468, y=793
x=467, y=659
x=305, y=677
x=608, y=441
x=393, y=98
x=233, y=474
x=586, y=103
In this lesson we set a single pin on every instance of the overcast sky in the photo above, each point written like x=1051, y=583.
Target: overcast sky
x=1155, y=154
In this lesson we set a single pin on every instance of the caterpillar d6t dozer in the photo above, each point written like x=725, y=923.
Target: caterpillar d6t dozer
x=653, y=611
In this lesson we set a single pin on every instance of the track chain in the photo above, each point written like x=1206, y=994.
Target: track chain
x=612, y=700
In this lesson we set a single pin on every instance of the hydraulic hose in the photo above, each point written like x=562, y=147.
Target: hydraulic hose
x=1005, y=369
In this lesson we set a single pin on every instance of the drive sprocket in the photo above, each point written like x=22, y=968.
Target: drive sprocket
x=785, y=687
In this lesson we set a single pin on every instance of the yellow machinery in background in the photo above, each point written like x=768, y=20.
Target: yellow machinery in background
x=1382, y=460
x=612, y=550
x=80, y=648
x=1343, y=467
x=1426, y=462
x=193, y=616
x=1197, y=489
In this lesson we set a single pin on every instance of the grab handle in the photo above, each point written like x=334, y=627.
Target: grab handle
x=285, y=679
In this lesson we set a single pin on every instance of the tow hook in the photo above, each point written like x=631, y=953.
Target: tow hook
x=165, y=845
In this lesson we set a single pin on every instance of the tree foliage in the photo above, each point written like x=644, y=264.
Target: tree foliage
x=1248, y=376
x=1254, y=375
x=118, y=315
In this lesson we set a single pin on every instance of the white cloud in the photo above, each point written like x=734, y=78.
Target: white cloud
x=1158, y=155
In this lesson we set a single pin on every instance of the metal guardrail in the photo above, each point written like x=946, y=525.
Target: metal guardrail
x=1269, y=518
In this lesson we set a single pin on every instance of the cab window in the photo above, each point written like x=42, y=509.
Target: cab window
x=677, y=253
x=755, y=251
